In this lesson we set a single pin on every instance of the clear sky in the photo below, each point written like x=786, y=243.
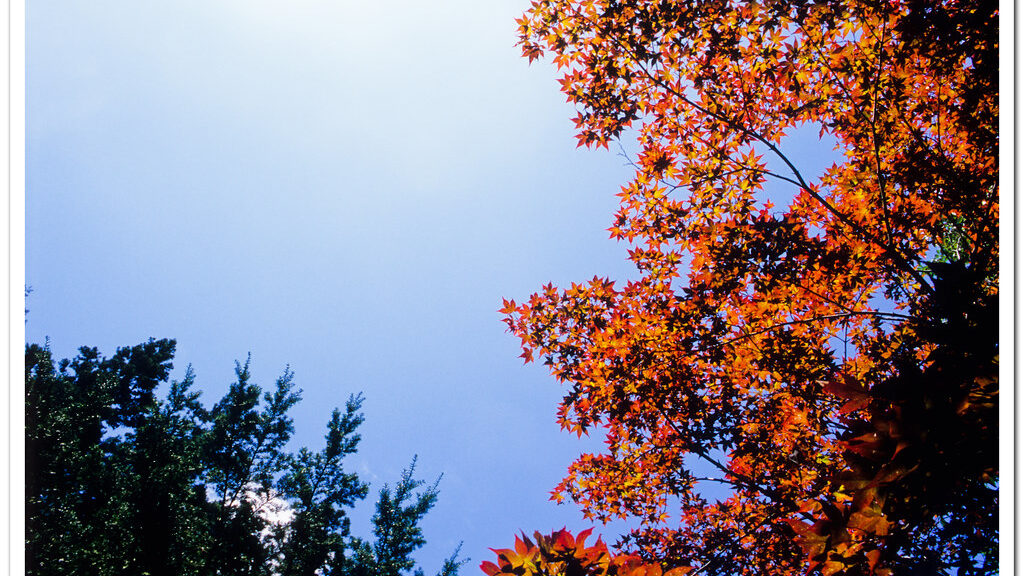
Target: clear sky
x=346, y=187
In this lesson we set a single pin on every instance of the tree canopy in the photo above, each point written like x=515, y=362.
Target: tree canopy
x=120, y=481
x=826, y=344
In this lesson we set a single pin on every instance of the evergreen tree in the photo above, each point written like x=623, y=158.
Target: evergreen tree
x=397, y=531
x=244, y=451
x=320, y=490
x=119, y=481
x=79, y=474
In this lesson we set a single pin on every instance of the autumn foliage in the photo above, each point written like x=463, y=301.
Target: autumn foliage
x=824, y=343
x=560, y=553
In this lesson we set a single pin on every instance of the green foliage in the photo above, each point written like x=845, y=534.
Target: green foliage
x=119, y=481
x=397, y=531
x=84, y=486
x=321, y=489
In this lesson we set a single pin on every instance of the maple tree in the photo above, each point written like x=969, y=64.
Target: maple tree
x=562, y=553
x=826, y=344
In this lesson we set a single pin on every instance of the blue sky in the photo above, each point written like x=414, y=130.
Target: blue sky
x=345, y=187
x=348, y=188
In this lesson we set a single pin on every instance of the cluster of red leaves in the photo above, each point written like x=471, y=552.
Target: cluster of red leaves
x=561, y=554
x=826, y=344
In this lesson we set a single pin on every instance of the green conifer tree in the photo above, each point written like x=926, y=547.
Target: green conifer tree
x=119, y=481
